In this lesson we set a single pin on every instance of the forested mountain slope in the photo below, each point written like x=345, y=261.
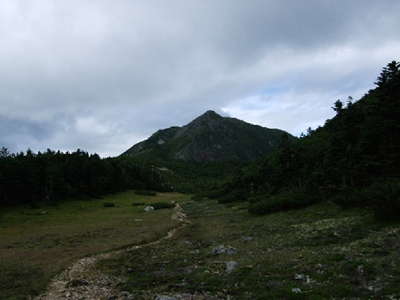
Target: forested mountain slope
x=354, y=159
x=210, y=137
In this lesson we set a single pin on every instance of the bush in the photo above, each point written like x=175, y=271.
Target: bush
x=385, y=199
x=214, y=194
x=197, y=197
x=351, y=198
x=138, y=203
x=234, y=196
x=162, y=205
x=145, y=193
x=108, y=204
x=261, y=205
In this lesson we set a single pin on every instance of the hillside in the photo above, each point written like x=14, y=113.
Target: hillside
x=209, y=138
x=352, y=160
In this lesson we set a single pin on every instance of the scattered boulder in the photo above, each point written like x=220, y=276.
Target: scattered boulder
x=247, y=238
x=303, y=277
x=163, y=297
x=296, y=290
x=221, y=249
x=148, y=208
x=231, y=266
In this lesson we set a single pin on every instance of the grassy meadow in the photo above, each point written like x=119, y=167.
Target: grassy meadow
x=38, y=243
x=320, y=252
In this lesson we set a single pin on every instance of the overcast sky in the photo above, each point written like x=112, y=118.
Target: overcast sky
x=103, y=75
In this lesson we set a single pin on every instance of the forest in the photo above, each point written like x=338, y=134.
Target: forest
x=353, y=160
x=50, y=177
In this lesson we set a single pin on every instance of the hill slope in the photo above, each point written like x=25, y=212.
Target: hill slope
x=210, y=137
x=354, y=159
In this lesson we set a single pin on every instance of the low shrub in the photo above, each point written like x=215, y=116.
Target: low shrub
x=197, y=197
x=385, y=200
x=145, y=193
x=215, y=194
x=138, y=203
x=234, y=196
x=350, y=197
x=108, y=204
x=260, y=205
x=382, y=197
x=162, y=205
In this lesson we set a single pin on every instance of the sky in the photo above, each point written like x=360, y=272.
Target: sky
x=103, y=75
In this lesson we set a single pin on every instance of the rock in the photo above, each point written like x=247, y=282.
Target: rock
x=360, y=269
x=76, y=283
x=231, y=266
x=162, y=297
x=223, y=250
x=124, y=295
x=148, y=208
x=296, y=290
x=247, y=238
x=305, y=278
x=188, y=270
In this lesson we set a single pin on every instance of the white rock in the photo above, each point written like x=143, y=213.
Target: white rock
x=148, y=208
x=162, y=297
x=231, y=266
x=299, y=276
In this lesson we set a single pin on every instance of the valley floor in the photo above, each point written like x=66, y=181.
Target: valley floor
x=321, y=252
x=221, y=252
x=37, y=244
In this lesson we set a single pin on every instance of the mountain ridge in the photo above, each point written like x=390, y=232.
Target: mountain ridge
x=209, y=137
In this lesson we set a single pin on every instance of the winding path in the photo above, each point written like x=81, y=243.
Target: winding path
x=83, y=281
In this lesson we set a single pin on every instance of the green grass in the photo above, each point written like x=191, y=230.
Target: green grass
x=324, y=251
x=36, y=244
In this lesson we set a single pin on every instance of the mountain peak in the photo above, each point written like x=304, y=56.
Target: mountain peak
x=210, y=114
x=209, y=137
x=207, y=117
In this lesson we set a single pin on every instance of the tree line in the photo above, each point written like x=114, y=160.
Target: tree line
x=53, y=176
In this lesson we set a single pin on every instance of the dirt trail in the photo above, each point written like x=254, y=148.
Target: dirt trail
x=83, y=281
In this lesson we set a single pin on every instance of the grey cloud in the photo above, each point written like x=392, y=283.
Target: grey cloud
x=102, y=75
